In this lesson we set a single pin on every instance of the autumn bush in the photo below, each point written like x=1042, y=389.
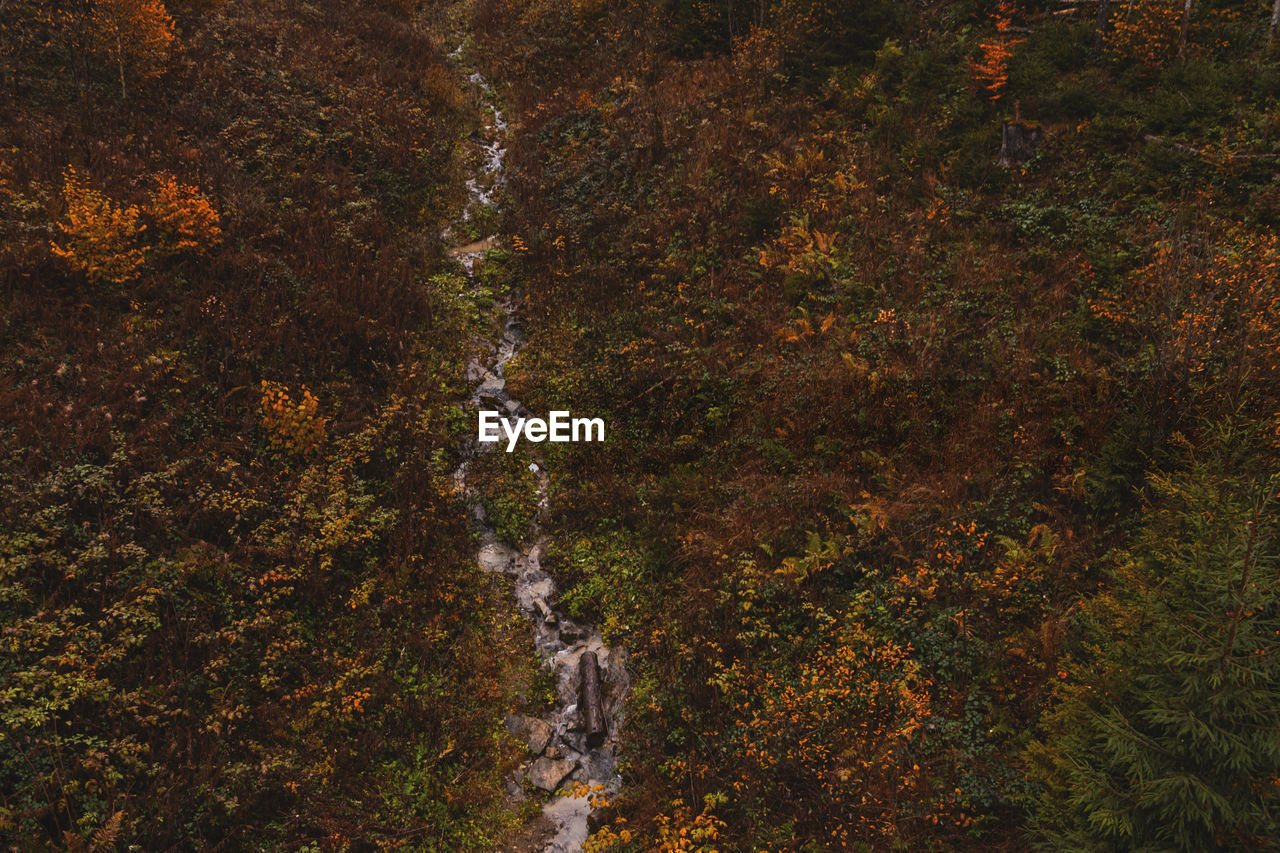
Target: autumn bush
x=102, y=240
x=184, y=219
x=293, y=427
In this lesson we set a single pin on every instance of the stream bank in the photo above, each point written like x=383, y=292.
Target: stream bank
x=571, y=753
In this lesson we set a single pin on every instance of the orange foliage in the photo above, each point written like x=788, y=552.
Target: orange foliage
x=1201, y=312
x=183, y=216
x=135, y=34
x=1147, y=31
x=291, y=427
x=844, y=721
x=992, y=71
x=685, y=832
x=102, y=239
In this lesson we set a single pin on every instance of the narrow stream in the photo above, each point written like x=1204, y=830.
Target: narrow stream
x=560, y=756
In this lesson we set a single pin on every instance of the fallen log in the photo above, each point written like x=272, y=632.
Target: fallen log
x=592, y=706
x=1208, y=155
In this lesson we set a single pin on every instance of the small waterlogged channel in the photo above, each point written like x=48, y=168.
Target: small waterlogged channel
x=565, y=754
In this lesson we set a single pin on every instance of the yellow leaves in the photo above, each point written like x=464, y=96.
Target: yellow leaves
x=683, y=832
x=102, y=238
x=1196, y=305
x=820, y=555
x=606, y=838
x=869, y=517
x=291, y=427
x=857, y=366
x=802, y=328
x=795, y=332
x=847, y=182
x=800, y=249
x=846, y=715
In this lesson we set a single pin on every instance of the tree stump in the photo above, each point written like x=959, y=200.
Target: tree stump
x=1018, y=143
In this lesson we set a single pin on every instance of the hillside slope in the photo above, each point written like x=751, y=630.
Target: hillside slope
x=885, y=410
x=231, y=559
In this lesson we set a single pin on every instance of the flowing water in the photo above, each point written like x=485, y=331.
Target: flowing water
x=560, y=757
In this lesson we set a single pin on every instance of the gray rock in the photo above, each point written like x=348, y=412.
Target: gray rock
x=598, y=765
x=495, y=557
x=575, y=741
x=548, y=773
x=572, y=718
x=534, y=732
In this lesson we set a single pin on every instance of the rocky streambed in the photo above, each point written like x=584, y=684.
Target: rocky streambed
x=571, y=747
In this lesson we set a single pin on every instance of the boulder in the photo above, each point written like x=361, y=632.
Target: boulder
x=534, y=732
x=548, y=773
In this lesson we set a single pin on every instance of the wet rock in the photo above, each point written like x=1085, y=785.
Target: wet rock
x=537, y=552
x=567, y=682
x=546, y=640
x=548, y=773
x=535, y=585
x=569, y=816
x=571, y=632
x=544, y=610
x=534, y=732
x=617, y=681
x=495, y=557
x=490, y=395
x=598, y=764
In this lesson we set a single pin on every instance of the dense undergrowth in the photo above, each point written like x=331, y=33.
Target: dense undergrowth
x=231, y=559
x=935, y=506
x=937, y=510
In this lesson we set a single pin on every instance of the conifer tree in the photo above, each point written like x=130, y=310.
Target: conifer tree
x=1170, y=740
